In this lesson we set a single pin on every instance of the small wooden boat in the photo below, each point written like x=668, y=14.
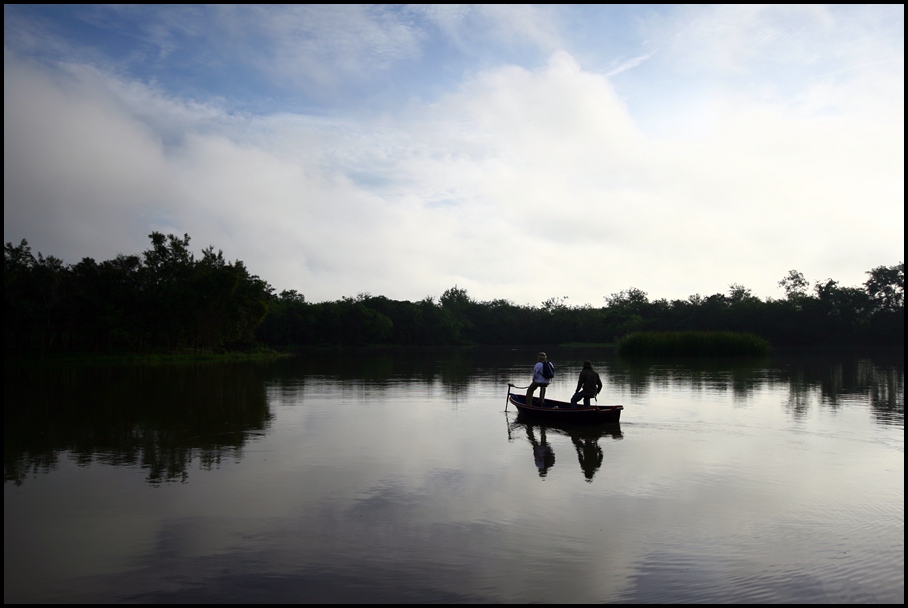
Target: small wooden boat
x=561, y=411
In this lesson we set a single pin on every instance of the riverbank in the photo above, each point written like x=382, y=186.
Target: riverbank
x=151, y=358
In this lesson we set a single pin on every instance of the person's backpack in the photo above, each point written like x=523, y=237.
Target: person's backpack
x=548, y=370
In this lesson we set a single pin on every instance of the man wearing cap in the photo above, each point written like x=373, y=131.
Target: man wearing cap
x=539, y=381
x=588, y=385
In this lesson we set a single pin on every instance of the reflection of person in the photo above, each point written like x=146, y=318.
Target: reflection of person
x=589, y=454
x=588, y=385
x=539, y=381
x=542, y=451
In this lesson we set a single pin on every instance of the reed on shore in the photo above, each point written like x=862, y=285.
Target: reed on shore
x=692, y=343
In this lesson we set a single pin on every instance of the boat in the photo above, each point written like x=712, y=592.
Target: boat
x=562, y=412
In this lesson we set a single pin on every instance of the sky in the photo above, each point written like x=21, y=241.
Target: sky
x=517, y=152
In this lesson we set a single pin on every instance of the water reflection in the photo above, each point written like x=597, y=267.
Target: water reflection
x=639, y=375
x=830, y=378
x=840, y=379
x=585, y=439
x=543, y=453
x=162, y=417
x=157, y=417
x=454, y=369
x=359, y=482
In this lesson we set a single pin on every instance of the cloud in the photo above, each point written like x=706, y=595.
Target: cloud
x=474, y=28
x=523, y=182
x=629, y=64
x=77, y=167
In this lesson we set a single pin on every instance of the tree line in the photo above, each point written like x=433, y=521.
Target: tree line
x=164, y=300
x=168, y=300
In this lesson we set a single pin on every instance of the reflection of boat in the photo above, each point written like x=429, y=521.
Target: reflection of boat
x=585, y=431
x=585, y=438
x=562, y=412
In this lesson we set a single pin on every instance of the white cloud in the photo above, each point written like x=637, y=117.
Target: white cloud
x=77, y=166
x=524, y=183
x=473, y=28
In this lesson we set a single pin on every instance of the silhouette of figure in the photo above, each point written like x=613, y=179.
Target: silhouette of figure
x=589, y=454
x=539, y=381
x=588, y=385
x=542, y=451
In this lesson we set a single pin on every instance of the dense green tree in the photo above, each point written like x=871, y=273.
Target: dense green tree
x=167, y=299
x=457, y=310
x=164, y=300
x=886, y=286
x=795, y=285
x=104, y=304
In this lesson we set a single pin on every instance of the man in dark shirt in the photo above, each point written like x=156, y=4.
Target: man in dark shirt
x=588, y=385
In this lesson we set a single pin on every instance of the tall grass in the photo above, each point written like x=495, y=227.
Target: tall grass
x=692, y=343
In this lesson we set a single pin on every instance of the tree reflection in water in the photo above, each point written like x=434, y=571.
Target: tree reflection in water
x=159, y=417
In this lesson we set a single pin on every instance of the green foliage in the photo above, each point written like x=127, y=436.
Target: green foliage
x=795, y=285
x=886, y=286
x=163, y=301
x=692, y=343
x=167, y=300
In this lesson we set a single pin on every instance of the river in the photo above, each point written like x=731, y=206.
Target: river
x=403, y=478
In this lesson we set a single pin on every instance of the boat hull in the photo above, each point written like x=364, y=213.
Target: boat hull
x=564, y=413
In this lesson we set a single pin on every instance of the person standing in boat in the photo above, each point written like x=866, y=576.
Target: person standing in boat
x=588, y=385
x=540, y=379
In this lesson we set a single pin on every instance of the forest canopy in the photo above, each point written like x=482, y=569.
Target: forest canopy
x=166, y=299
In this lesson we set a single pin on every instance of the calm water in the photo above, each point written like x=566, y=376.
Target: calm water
x=401, y=478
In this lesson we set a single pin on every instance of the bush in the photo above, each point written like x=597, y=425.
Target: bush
x=692, y=343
